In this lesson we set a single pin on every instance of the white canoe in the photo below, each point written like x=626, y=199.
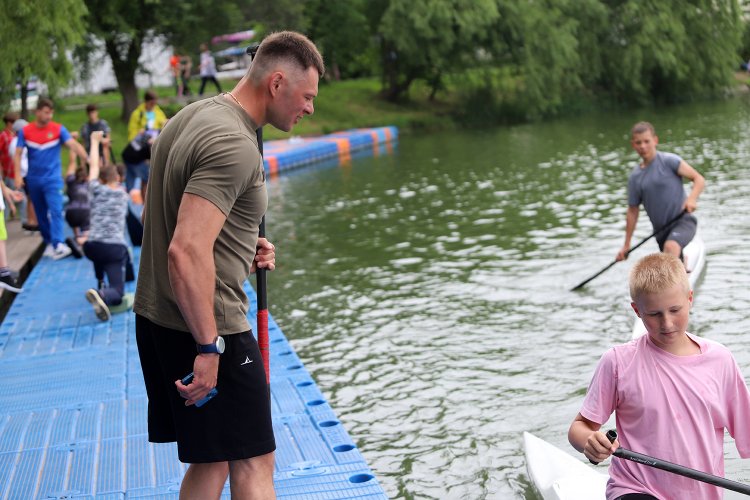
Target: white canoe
x=559, y=476
x=695, y=258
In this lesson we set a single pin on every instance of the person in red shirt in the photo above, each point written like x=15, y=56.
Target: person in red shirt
x=6, y=162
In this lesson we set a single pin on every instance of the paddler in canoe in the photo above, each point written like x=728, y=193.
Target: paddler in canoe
x=673, y=394
x=657, y=184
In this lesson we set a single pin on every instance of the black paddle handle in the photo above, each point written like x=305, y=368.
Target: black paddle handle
x=680, y=470
x=611, y=435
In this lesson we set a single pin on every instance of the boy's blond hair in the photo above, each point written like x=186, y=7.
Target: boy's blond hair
x=656, y=273
x=642, y=127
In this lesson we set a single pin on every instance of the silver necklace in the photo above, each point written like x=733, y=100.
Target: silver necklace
x=238, y=102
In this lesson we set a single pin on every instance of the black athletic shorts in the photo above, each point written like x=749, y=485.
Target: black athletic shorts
x=683, y=232
x=234, y=425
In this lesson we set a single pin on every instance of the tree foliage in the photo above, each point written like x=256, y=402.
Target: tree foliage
x=125, y=25
x=544, y=53
x=35, y=38
x=341, y=31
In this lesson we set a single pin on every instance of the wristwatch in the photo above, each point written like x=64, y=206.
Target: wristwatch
x=215, y=347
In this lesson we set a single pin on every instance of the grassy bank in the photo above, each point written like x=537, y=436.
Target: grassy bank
x=339, y=106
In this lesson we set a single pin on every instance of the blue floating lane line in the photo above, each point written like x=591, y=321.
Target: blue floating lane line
x=284, y=155
x=73, y=406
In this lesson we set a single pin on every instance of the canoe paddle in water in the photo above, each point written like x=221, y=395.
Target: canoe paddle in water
x=644, y=240
x=680, y=470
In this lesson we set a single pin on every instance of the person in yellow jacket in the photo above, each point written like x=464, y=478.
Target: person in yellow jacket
x=148, y=116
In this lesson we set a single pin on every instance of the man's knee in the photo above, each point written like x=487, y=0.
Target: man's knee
x=262, y=464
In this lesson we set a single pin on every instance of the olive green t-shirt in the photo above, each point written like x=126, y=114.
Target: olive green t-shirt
x=208, y=149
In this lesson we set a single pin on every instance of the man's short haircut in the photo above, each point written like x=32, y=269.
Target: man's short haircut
x=91, y=107
x=642, y=127
x=10, y=117
x=656, y=273
x=150, y=95
x=287, y=46
x=44, y=102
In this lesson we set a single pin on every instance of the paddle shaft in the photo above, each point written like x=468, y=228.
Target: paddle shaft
x=260, y=275
x=666, y=226
x=678, y=469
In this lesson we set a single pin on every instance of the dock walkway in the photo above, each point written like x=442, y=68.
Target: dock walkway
x=73, y=404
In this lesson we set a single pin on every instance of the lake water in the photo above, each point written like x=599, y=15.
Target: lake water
x=428, y=293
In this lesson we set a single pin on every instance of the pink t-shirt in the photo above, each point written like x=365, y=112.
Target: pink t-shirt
x=670, y=407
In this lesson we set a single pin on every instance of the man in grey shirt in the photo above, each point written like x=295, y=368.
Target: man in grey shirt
x=657, y=183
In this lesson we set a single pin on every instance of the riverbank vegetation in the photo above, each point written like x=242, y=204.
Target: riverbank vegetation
x=421, y=62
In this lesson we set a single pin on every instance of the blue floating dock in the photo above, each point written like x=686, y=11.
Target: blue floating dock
x=284, y=155
x=73, y=407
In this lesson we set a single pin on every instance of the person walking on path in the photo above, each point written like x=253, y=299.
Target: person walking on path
x=43, y=139
x=208, y=69
x=204, y=204
x=657, y=184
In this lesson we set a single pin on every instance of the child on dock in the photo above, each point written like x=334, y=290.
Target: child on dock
x=673, y=394
x=106, y=246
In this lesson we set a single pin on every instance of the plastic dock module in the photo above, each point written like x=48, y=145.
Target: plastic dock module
x=281, y=156
x=73, y=406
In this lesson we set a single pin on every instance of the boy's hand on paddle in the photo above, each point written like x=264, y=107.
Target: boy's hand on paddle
x=622, y=254
x=598, y=447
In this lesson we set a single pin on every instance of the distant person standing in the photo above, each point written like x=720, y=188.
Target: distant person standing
x=186, y=68
x=43, y=139
x=147, y=116
x=208, y=69
x=6, y=161
x=94, y=124
x=145, y=123
x=174, y=68
x=28, y=215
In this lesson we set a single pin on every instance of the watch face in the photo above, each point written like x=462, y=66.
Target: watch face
x=220, y=344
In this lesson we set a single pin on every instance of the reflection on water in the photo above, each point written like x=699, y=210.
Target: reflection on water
x=428, y=291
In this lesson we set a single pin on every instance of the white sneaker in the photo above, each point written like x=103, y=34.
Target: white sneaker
x=100, y=308
x=49, y=251
x=61, y=251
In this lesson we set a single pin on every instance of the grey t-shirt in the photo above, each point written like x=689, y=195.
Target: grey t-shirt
x=659, y=187
x=208, y=149
x=108, y=209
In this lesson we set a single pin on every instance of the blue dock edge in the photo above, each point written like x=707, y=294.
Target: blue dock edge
x=284, y=155
x=73, y=407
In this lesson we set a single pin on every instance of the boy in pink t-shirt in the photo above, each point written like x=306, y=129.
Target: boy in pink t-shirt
x=673, y=394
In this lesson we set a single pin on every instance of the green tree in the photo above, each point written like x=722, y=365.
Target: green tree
x=342, y=33
x=124, y=26
x=670, y=50
x=424, y=39
x=35, y=38
x=276, y=15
